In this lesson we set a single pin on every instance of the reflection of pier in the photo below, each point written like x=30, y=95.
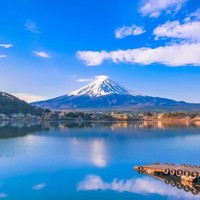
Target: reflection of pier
x=184, y=177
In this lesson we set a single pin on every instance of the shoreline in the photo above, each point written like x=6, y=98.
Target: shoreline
x=172, y=120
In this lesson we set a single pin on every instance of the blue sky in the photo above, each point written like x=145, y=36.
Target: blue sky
x=50, y=48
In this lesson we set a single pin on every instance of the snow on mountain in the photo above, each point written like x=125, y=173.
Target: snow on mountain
x=102, y=86
x=104, y=93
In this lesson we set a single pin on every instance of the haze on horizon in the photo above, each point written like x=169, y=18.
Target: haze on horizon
x=51, y=48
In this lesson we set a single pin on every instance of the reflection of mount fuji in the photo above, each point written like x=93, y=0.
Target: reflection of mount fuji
x=104, y=93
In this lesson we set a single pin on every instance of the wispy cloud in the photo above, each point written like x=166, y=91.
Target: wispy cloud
x=189, y=30
x=91, y=79
x=195, y=15
x=41, y=54
x=3, y=56
x=153, y=8
x=125, y=31
x=85, y=80
x=142, y=186
x=31, y=26
x=101, y=76
x=171, y=55
x=29, y=97
x=73, y=76
x=39, y=186
x=7, y=46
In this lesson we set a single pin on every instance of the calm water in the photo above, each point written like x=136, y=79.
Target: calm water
x=92, y=160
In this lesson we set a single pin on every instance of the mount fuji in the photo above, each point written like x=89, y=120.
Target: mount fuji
x=104, y=93
x=102, y=86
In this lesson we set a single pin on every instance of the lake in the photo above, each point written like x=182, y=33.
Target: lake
x=77, y=160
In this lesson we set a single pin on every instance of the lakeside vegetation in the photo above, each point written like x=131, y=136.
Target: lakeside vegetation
x=46, y=115
x=101, y=116
x=121, y=116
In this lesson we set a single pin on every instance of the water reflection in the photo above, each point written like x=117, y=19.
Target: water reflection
x=177, y=183
x=110, y=125
x=39, y=186
x=18, y=130
x=136, y=129
x=98, y=153
x=88, y=160
x=92, y=152
x=3, y=195
x=123, y=125
x=143, y=186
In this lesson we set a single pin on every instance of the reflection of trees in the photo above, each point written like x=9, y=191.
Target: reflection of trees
x=196, y=123
x=16, y=127
x=18, y=130
x=81, y=124
x=138, y=129
x=120, y=124
x=169, y=124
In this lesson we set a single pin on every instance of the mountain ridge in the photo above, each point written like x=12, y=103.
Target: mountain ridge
x=103, y=93
x=10, y=104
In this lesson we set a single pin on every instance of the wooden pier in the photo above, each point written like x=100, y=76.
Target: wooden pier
x=184, y=172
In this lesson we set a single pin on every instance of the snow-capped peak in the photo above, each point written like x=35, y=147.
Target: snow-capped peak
x=103, y=85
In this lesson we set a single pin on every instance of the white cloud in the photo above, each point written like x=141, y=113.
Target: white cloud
x=172, y=55
x=194, y=16
x=39, y=186
x=125, y=31
x=41, y=54
x=143, y=186
x=189, y=30
x=7, y=46
x=153, y=8
x=2, y=56
x=28, y=97
x=85, y=80
x=92, y=58
x=31, y=26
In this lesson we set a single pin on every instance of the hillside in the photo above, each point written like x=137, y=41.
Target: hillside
x=10, y=104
